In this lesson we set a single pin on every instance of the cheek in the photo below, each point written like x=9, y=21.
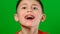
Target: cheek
x=21, y=15
x=38, y=16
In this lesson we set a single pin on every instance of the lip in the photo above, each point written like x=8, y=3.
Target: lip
x=29, y=17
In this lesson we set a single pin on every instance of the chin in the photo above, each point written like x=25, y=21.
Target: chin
x=28, y=25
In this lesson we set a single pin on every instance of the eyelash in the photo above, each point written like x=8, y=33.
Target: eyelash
x=34, y=8
x=23, y=7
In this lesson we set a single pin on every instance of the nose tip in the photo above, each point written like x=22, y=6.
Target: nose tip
x=29, y=10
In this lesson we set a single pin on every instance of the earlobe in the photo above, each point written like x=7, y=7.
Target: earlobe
x=43, y=17
x=16, y=17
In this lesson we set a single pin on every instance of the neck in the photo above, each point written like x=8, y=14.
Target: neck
x=29, y=30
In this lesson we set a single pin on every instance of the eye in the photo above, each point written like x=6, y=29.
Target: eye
x=35, y=8
x=23, y=7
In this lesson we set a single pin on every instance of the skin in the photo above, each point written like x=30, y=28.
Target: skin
x=26, y=7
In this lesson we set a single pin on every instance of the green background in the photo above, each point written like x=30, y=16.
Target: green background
x=9, y=26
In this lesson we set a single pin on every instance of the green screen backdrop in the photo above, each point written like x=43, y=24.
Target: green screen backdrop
x=9, y=26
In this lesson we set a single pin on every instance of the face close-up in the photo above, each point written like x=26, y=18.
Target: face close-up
x=29, y=13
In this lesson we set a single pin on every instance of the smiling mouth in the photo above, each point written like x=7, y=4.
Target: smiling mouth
x=29, y=17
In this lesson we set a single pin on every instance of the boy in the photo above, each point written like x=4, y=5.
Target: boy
x=29, y=14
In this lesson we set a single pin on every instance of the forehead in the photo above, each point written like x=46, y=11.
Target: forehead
x=29, y=2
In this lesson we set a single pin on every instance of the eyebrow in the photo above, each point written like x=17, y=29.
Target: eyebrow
x=35, y=4
x=23, y=4
x=26, y=4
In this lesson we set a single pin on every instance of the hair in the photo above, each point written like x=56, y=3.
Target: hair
x=36, y=0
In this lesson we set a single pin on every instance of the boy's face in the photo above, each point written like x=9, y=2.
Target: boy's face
x=29, y=13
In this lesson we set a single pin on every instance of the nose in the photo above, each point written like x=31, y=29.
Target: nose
x=29, y=10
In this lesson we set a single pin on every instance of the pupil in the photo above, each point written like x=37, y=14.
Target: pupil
x=34, y=8
x=24, y=8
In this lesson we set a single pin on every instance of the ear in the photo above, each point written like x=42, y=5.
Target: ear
x=43, y=17
x=16, y=17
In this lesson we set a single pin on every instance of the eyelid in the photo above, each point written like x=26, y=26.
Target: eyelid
x=23, y=6
x=35, y=7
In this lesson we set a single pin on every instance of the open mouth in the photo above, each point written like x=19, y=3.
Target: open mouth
x=29, y=17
